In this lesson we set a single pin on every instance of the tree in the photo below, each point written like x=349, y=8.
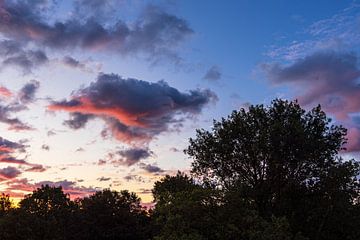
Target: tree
x=284, y=160
x=184, y=209
x=47, y=213
x=113, y=215
x=5, y=204
x=187, y=210
x=45, y=201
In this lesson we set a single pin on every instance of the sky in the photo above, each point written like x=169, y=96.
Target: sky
x=106, y=94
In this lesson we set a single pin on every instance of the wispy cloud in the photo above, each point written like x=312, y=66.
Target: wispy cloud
x=16, y=102
x=213, y=74
x=339, y=32
x=13, y=54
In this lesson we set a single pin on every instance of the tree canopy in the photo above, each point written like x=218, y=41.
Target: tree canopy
x=286, y=161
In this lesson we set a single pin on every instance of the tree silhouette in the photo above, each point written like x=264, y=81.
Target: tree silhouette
x=187, y=210
x=5, y=203
x=284, y=160
x=114, y=215
x=47, y=213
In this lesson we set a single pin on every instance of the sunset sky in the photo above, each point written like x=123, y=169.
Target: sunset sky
x=105, y=94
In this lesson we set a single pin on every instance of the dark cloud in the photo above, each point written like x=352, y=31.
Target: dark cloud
x=151, y=168
x=45, y=147
x=13, y=53
x=14, y=123
x=7, y=151
x=36, y=168
x=329, y=78
x=18, y=102
x=9, y=173
x=213, y=74
x=155, y=33
x=174, y=149
x=72, y=62
x=101, y=162
x=86, y=66
x=133, y=177
x=133, y=155
x=104, y=179
x=77, y=120
x=12, y=160
x=7, y=146
x=27, y=92
x=134, y=110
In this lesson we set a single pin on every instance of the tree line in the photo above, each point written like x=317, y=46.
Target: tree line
x=265, y=173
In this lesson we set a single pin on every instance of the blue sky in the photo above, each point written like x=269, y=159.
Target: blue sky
x=97, y=94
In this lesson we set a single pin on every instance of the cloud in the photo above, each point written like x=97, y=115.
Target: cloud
x=338, y=32
x=126, y=157
x=78, y=120
x=213, y=74
x=86, y=66
x=133, y=177
x=70, y=187
x=133, y=155
x=51, y=133
x=329, y=78
x=133, y=110
x=9, y=173
x=102, y=10
x=13, y=54
x=72, y=62
x=104, y=179
x=27, y=92
x=15, y=103
x=155, y=33
x=101, y=162
x=9, y=148
x=174, y=149
x=151, y=168
x=36, y=168
x=14, y=123
x=80, y=149
x=45, y=147
x=4, y=92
